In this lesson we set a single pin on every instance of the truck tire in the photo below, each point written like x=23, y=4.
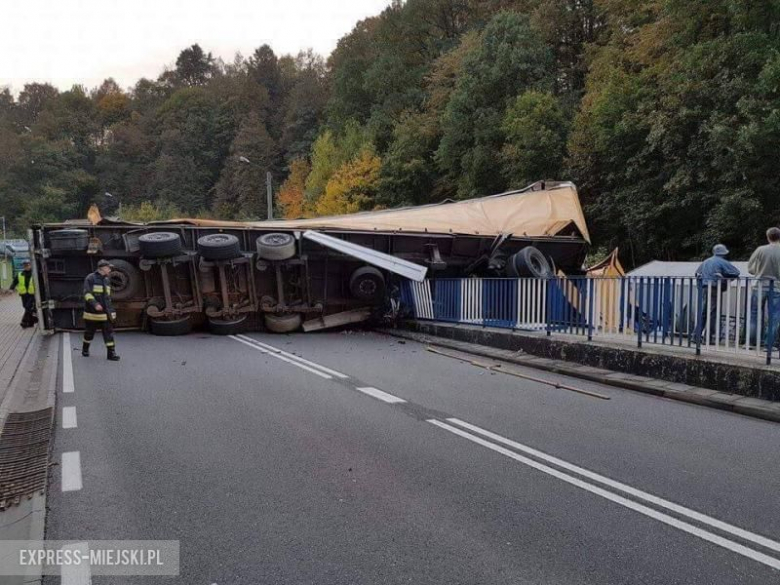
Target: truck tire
x=228, y=327
x=125, y=280
x=284, y=323
x=163, y=327
x=528, y=262
x=160, y=245
x=367, y=284
x=219, y=247
x=276, y=246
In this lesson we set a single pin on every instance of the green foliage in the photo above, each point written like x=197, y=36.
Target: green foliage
x=147, y=211
x=510, y=59
x=536, y=129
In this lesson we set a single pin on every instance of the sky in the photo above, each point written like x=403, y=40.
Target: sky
x=65, y=42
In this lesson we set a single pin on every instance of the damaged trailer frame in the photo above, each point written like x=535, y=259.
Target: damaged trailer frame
x=172, y=276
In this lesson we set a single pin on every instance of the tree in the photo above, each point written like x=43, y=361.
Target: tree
x=194, y=67
x=240, y=191
x=292, y=197
x=510, y=59
x=352, y=187
x=536, y=130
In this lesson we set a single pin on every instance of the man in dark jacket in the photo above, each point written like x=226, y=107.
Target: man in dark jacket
x=98, y=311
x=24, y=284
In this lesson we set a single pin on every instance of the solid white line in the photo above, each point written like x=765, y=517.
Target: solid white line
x=383, y=396
x=292, y=356
x=71, y=471
x=69, y=417
x=77, y=574
x=671, y=506
x=67, y=364
x=642, y=509
x=281, y=357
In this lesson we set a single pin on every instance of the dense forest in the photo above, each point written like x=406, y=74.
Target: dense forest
x=665, y=113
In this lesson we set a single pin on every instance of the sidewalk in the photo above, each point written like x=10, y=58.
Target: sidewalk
x=14, y=341
x=29, y=365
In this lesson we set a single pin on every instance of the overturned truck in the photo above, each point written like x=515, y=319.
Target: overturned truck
x=169, y=277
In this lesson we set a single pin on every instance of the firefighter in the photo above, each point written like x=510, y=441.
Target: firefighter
x=24, y=284
x=98, y=311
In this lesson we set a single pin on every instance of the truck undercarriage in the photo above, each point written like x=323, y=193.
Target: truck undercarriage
x=170, y=277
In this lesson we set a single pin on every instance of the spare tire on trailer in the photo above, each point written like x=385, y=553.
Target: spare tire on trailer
x=276, y=246
x=528, y=262
x=367, y=284
x=160, y=244
x=125, y=280
x=228, y=326
x=282, y=323
x=169, y=328
x=219, y=247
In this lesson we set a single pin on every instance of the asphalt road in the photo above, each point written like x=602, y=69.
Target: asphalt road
x=272, y=470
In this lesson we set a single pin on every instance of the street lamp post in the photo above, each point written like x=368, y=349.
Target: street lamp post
x=5, y=252
x=269, y=197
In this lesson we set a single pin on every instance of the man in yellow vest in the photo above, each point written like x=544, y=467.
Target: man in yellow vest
x=24, y=284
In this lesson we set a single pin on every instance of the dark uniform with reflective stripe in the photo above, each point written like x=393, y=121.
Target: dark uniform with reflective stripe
x=97, y=291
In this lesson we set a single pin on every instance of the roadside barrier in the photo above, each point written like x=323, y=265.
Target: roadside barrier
x=739, y=315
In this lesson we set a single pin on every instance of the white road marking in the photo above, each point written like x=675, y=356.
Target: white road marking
x=383, y=396
x=69, y=417
x=283, y=358
x=77, y=574
x=642, y=509
x=292, y=356
x=67, y=364
x=71, y=471
x=671, y=506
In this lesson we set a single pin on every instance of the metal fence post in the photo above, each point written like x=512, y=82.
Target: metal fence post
x=589, y=286
x=699, y=324
x=770, y=319
x=548, y=304
x=638, y=312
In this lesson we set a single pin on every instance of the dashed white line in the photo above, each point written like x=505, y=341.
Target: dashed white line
x=642, y=509
x=71, y=471
x=281, y=357
x=77, y=573
x=69, y=417
x=67, y=364
x=671, y=506
x=380, y=395
x=292, y=356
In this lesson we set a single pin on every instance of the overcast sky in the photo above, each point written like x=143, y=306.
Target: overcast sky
x=84, y=41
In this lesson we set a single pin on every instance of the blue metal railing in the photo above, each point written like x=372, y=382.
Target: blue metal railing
x=739, y=315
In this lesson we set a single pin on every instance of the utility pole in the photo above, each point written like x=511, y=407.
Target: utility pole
x=269, y=195
x=5, y=253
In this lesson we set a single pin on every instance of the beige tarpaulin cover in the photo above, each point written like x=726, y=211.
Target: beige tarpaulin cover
x=547, y=212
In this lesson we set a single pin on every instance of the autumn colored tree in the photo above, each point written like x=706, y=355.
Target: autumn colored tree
x=352, y=187
x=292, y=193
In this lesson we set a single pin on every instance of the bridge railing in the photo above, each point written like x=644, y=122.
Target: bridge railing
x=738, y=315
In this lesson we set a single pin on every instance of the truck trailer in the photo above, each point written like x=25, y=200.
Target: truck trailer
x=172, y=276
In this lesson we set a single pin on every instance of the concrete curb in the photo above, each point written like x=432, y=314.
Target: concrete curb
x=755, y=407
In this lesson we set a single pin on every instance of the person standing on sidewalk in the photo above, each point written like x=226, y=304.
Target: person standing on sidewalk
x=715, y=272
x=764, y=263
x=24, y=284
x=98, y=310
